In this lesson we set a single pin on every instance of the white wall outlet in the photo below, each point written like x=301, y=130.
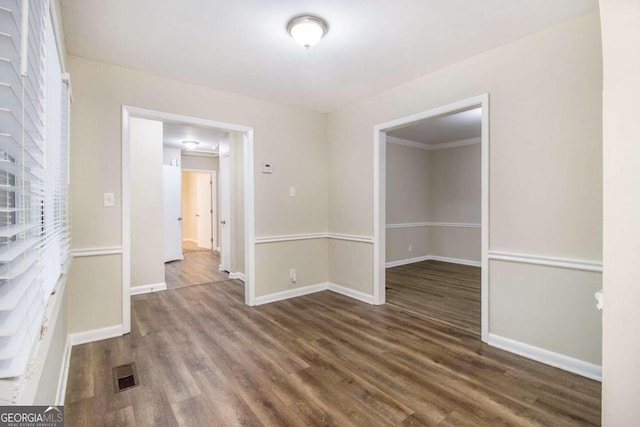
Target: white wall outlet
x=410, y=248
x=267, y=168
x=109, y=200
x=292, y=191
x=292, y=275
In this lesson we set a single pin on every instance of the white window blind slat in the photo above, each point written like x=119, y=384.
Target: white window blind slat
x=12, y=293
x=34, y=219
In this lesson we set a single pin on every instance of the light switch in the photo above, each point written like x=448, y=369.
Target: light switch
x=267, y=168
x=292, y=191
x=109, y=200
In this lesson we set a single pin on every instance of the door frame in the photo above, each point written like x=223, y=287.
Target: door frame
x=214, y=201
x=249, y=202
x=379, y=197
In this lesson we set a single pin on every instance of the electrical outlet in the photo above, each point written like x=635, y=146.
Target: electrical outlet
x=292, y=275
x=410, y=248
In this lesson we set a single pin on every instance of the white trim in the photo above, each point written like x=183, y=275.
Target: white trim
x=461, y=261
x=147, y=289
x=573, y=264
x=194, y=241
x=86, y=252
x=547, y=357
x=433, y=147
x=57, y=31
x=96, y=335
x=195, y=153
x=357, y=295
x=312, y=289
x=397, y=263
x=350, y=238
x=249, y=204
x=433, y=224
x=29, y=387
x=126, y=222
x=312, y=236
x=291, y=293
x=472, y=263
x=64, y=373
x=239, y=276
x=290, y=238
x=379, y=197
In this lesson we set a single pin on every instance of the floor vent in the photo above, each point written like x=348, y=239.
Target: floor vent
x=125, y=377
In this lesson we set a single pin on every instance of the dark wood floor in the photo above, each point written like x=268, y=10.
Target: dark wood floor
x=199, y=266
x=449, y=293
x=206, y=359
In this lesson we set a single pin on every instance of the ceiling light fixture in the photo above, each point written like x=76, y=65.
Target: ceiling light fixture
x=190, y=145
x=307, y=30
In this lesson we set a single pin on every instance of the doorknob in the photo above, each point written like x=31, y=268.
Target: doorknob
x=179, y=218
x=223, y=222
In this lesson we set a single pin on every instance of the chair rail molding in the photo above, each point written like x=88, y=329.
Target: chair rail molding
x=550, y=261
x=89, y=252
x=313, y=236
x=433, y=224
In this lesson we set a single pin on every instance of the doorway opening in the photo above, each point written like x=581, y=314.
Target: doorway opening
x=199, y=207
x=153, y=176
x=431, y=197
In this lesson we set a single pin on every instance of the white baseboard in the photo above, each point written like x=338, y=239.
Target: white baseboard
x=311, y=289
x=64, y=373
x=96, y=335
x=194, y=241
x=360, y=296
x=400, y=262
x=547, y=357
x=145, y=289
x=457, y=261
x=239, y=276
x=291, y=293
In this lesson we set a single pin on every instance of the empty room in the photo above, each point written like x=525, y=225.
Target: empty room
x=319, y=213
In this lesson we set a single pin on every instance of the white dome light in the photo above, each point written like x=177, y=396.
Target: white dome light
x=307, y=30
x=190, y=145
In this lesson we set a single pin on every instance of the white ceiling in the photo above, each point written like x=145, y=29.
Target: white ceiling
x=208, y=138
x=243, y=46
x=437, y=130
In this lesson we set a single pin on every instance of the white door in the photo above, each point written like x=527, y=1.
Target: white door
x=225, y=213
x=204, y=210
x=172, y=189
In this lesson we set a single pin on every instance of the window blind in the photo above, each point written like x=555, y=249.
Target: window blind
x=34, y=140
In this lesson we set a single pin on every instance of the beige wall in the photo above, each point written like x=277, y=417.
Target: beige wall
x=92, y=300
x=292, y=139
x=545, y=166
x=621, y=315
x=455, y=185
x=433, y=186
x=147, y=202
x=547, y=307
x=170, y=154
x=408, y=181
x=200, y=163
x=237, y=204
x=189, y=207
x=308, y=257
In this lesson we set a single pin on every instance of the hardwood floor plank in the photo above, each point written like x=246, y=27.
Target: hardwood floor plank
x=197, y=268
x=205, y=358
x=446, y=292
